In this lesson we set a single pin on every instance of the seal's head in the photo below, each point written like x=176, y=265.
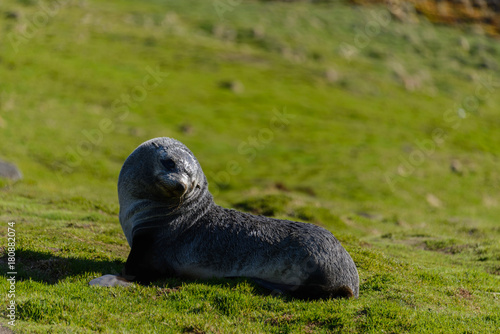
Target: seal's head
x=156, y=179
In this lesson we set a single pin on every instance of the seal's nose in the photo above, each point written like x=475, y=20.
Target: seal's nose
x=183, y=184
x=181, y=187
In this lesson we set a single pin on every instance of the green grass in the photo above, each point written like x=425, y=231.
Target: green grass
x=353, y=153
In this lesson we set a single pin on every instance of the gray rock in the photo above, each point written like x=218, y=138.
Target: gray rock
x=5, y=330
x=10, y=171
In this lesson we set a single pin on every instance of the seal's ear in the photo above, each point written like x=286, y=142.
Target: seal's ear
x=140, y=266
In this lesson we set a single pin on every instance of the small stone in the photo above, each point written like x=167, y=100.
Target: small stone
x=464, y=43
x=10, y=171
x=258, y=32
x=11, y=15
x=456, y=167
x=331, y=75
x=433, y=201
x=233, y=85
x=490, y=201
x=186, y=128
x=110, y=281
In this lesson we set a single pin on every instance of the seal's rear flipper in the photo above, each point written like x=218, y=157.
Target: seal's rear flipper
x=110, y=280
x=311, y=291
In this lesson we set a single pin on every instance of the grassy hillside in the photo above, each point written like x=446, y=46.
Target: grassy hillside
x=385, y=133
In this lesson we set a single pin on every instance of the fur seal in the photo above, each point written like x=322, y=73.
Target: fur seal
x=175, y=229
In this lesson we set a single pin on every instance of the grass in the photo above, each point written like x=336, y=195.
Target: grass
x=392, y=144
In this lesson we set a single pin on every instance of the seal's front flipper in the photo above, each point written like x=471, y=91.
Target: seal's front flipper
x=140, y=266
x=110, y=280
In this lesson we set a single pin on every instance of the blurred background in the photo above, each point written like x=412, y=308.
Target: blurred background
x=387, y=109
x=377, y=120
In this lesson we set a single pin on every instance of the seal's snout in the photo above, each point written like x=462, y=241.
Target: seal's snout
x=191, y=186
x=185, y=185
x=173, y=185
x=182, y=185
x=181, y=188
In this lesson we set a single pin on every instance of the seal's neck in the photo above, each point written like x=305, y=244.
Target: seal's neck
x=138, y=214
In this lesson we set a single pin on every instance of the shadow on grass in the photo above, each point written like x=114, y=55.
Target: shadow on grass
x=49, y=268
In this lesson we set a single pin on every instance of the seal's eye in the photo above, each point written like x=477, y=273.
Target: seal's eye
x=168, y=163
